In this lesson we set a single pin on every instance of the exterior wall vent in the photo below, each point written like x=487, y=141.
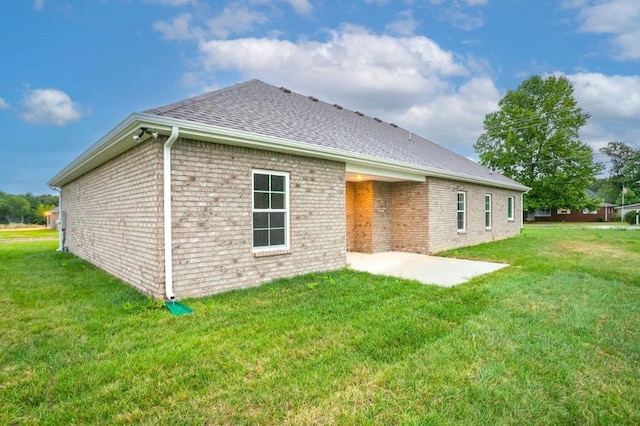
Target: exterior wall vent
x=359, y=113
x=285, y=90
x=394, y=125
x=378, y=120
x=337, y=106
x=314, y=99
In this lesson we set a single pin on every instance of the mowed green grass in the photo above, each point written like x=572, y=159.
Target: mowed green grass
x=10, y=234
x=553, y=339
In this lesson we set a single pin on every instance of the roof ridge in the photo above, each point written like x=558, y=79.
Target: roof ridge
x=163, y=109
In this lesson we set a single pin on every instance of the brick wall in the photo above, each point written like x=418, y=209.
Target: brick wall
x=443, y=232
x=360, y=216
x=114, y=217
x=350, y=200
x=212, y=221
x=409, y=217
x=381, y=214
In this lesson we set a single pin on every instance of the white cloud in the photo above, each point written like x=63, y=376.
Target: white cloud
x=3, y=104
x=454, y=118
x=614, y=104
x=38, y=5
x=50, y=106
x=405, y=25
x=301, y=7
x=178, y=29
x=235, y=19
x=463, y=15
x=410, y=81
x=618, y=18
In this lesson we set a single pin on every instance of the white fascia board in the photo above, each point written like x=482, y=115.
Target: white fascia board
x=370, y=170
x=109, y=146
x=119, y=140
x=224, y=135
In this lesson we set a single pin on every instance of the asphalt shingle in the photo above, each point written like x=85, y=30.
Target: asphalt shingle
x=257, y=107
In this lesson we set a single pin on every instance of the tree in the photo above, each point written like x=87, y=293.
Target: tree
x=620, y=154
x=624, y=172
x=4, y=208
x=534, y=139
x=19, y=207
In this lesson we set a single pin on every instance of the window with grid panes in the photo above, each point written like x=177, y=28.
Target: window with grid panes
x=270, y=209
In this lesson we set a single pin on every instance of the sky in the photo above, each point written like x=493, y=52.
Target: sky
x=70, y=70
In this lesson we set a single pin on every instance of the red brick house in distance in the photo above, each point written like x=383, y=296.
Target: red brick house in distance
x=251, y=183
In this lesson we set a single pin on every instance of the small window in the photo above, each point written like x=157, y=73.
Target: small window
x=542, y=212
x=510, y=208
x=270, y=209
x=462, y=225
x=487, y=211
x=564, y=211
x=587, y=211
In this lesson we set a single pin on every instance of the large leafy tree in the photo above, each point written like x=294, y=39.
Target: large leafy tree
x=534, y=139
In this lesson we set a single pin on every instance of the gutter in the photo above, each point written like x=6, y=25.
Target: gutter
x=168, y=238
x=119, y=140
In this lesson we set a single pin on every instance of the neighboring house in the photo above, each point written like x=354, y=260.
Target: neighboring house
x=252, y=183
x=604, y=213
x=622, y=210
x=52, y=218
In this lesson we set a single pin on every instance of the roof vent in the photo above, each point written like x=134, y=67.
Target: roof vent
x=285, y=90
x=378, y=120
x=393, y=125
x=337, y=106
x=313, y=99
x=359, y=113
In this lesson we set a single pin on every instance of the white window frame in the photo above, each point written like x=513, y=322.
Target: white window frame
x=511, y=208
x=286, y=211
x=487, y=211
x=542, y=212
x=564, y=211
x=462, y=211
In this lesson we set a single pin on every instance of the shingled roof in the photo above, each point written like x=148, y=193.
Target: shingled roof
x=260, y=108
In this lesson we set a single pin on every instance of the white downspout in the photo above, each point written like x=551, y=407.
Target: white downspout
x=168, y=239
x=59, y=220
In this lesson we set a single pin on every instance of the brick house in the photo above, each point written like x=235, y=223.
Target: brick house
x=604, y=213
x=250, y=183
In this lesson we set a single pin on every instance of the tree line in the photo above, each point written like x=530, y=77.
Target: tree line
x=26, y=208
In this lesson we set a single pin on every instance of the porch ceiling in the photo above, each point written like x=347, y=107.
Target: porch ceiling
x=363, y=177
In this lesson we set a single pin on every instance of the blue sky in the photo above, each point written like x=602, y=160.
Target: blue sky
x=72, y=70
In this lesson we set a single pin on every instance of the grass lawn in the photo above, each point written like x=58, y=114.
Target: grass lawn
x=554, y=339
x=9, y=234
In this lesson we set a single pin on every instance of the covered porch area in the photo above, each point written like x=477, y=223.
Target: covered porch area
x=386, y=211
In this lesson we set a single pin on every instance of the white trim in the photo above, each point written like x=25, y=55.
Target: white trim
x=488, y=227
x=119, y=140
x=361, y=169
x=287, y=211
x=463, y=211
x=511, y=200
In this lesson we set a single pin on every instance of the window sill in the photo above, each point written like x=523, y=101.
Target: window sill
x=274, y=252
x=488, y=229
x=462, y=231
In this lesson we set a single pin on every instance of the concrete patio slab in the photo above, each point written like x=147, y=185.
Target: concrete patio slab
x=441, y=271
